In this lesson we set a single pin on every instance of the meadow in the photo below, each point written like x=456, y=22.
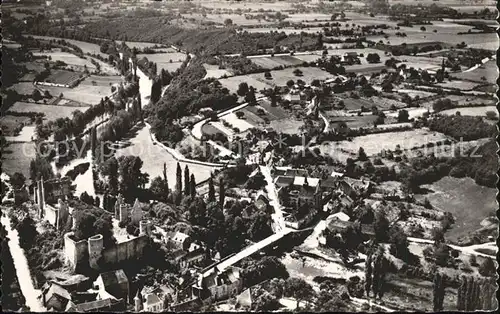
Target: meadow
x=279, y=78
x=468, y=202
x=169, y=61
x=470, y=111
x=16, y=157
x=68, y=58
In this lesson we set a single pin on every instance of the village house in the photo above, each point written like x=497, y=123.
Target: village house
x=113, y=284
x=218, y=285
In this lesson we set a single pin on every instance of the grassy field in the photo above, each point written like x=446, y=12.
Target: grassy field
x=470, y=111
x=489, y=71
x=287, y=126
x=52, y=112
x=87, y=92
x=374, y=143
x=23, y=88
x=86, y=47
x=468, y=202
x=9, y=123
x=139, y=45
x=215, y=72
x=16, y=157
x=457, y=84
x=241, y=124
x=169, y=61
x=67, y=58
x=209, y=129
x=154, y=156
x=272, y=62
x=279, y=78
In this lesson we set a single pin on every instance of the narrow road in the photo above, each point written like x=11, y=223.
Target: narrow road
x=22, y=270
x=327, y=124
x=279, y=221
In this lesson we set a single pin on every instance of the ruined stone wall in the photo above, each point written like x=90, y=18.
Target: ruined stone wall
x=126, y=250
x=75, y=252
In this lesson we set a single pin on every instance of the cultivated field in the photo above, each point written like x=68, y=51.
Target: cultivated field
x=458, y=84
x=51, y=112
x=276, y=61
x=139, y=45
x=215, y=72
x=353, y=122
x=241, y=124
x=468, y=202
x=63, y=77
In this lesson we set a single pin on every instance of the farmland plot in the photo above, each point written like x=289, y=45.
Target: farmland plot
x=89, y=91
x=276, y=61
x=9, y=122
x=63, y=77
x=16, y=157
x=489, y=71
x=374, y=143
x=24, y=88
x=470, y=111
x=457, y=84
x=236, y=122
x=85, y=46
x=51, y=112
x=279, y=78
x=139, y=45
x=169, y=61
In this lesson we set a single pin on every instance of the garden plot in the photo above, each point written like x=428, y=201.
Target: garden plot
x=236, y=122
x=375, y=143
x=27, y=134
x=412, y=112
x=423, y=63
x=470, y=111
x=51, y=112
x=287, y=126
x=68, y=58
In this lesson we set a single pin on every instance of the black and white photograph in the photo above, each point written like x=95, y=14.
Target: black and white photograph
x=249, y=156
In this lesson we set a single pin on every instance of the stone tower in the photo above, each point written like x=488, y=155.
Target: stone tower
x=96, y=245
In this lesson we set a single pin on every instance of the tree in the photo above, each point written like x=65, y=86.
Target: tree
x=298, y=289
x=422, y=28
x=362, y=155
x=192, y=187
x=158, y=189
x=438, y=291
x=491, y=115
x=268, y=75
x=228, y=22
x=297, y=72
x=403, y=116
x=186, y=181
x=487, y=268
x=222, y=192
x=242, y=89
x=178, y=182
x=373, y=58
x=381, y=226
x=240, y=114
x=442, y=255
x=211, y=190
x=17, y=180
x=290, y=83
x=27, y=232
x=36, y=95
x=437, y=235
x=250, y=96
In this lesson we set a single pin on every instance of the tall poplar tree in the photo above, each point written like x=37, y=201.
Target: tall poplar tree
x=178, y=183
x=211, y=189
x=186, y=181
x=192, y=187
